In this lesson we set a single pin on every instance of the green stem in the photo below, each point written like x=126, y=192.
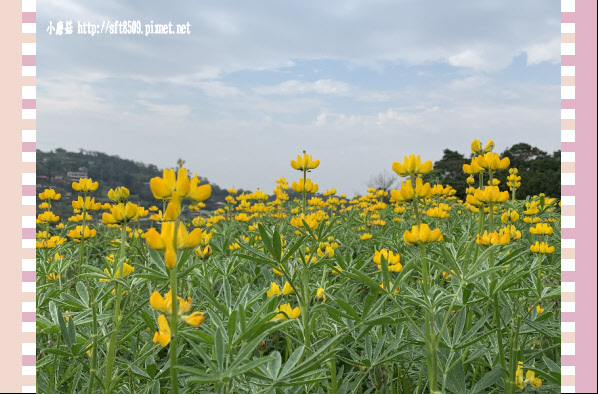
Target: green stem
x=174, y=318
x=117, y=316
x=82, y=242
x=94, y=346
x=305, y=307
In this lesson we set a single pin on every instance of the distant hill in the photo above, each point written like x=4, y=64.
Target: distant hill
x=58, y=168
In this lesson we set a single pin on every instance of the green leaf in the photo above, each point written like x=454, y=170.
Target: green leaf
x=292, y=361
x=138, y=371
x=487, y=380
x=551, y=365
x=83, y=294
x=219, y=349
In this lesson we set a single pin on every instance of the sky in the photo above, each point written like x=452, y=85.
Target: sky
x=358, y=84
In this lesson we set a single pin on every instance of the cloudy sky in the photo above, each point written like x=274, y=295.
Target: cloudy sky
x=357, y=83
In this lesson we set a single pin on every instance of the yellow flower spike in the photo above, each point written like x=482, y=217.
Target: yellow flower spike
x=52, y=276
x=173, y=209
x=160, y=304
x=305, y=163
x=162, y=188
x=89, y=203
x=476, y=146
x=421, y=235
x=287, y=289
x=530, y=377
x=514, y=234
x=164, y=240
x=511, y=216
x=119, y=195
x=184, y=305
x=489, y=146
x=46, y=217
x=49, y=194
x=203, y=252
x=411, y=166
x=541, y=229
x=519, y=375
x=306, y=186
x=162, y=335
x=121, y=213
x=79, y=233
x=274, y=290
x=490, y=194
x=196, y=192
x=491, y=161
x=397, y=290
x=195, y=319
x=320, y=296
x=542, y=248
x=472, y=168
x=286, y=312
x=85, y=185
x=127, y=269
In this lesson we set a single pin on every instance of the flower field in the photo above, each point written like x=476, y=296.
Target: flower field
x=402, y=291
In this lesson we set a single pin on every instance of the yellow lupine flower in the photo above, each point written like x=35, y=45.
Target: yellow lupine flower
x=287, y=289
x=542, y=248
x=195, y=319
x=79, y=233
x=305, y=163
x=46, y=217
x=89, y=203
x=491, y=161
x=493, y=238
x=491, y=194
x=421, y=234
x=472, y=168
x=541, y=229
x=393, y=260
x=164, y=304
x=121, y=213
x=162, y=335
x=539, y=309
x=306, y=186
x=49, y=194
x=127, y=269
x=476, y=146
x=119, y=195
x=407, y=192
x=320, y=296
x=514, y=234
x=85, y=185
x=165, y=240
x=437, y=213
x=286, y=312
x=412, y=165
x=163, y=188
x=274, y=290
x=49, y=243
x=530, y=378
x=52, y=276
x=511, y=216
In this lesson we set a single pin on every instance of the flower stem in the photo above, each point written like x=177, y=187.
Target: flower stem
x=94, y=346
x=118, y=294
x=174, y=318
x=82, y=242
